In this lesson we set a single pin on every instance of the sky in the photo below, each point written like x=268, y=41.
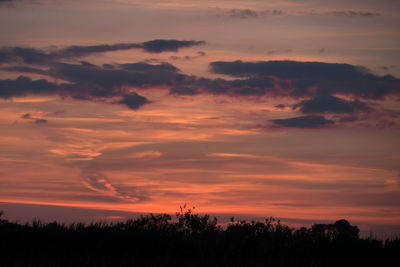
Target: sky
x=283, y=108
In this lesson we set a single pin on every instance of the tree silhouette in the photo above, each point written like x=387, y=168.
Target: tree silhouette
x=344, y=229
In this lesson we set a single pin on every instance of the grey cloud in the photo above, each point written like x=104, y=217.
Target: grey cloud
x=314, y=78
x=249, y=92
x=158, y=46
x=288, y=69
x=331, y=104
x=24, y=69
x=10, y=2
x=144, y=67
x=242, y=13
x=388, y=67
x=272, y=12
x=90, y=82
x=278, y=51
x=4, y=1
x=134, y=101
x=27, y=55
x=40, y=121
x=28, y=116
x=198, y=54
x=348, y=119
x=253, y=82
x=249, y=86
x=303, y=122
x=280, y=106
x=107, y=81
x=42, y=57
x=79, y=51
x=153, y=46
x=24, y=85
x=183, y=91
x=249, y=13
x=352, y=13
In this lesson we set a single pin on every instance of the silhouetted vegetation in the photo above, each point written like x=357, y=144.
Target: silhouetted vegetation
x=190, y=240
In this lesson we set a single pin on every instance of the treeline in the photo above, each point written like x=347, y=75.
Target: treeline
x=190, y=240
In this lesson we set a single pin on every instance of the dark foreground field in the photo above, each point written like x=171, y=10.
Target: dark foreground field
x=191, y=240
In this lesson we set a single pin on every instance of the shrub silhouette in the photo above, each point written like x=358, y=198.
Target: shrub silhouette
x=191, y=223
x=190, y=239
x=339, y=229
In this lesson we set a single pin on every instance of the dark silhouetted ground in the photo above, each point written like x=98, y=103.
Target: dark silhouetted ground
x=191, y=240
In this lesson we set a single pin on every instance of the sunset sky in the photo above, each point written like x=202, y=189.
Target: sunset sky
x=283, y=108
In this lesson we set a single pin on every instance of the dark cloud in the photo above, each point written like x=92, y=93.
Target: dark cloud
x=249, y=92
x=158, y=46
x=24, y=69
x=250, y=86
x=280, y=106
x=26, y=55
x=28, y=116
x=198, y=54
x=303, y=122
x=42, y=57
x=107, y=81
x=108, y=66
x=272, y=78
x=288, y=69
x=348, y=119
x=79, y=51
x=40, y=121
x=24, y=85
x=331, y=104
x=388, y=67
x=279, y=51
x=314, y=78
x=183, y=91
x=4, y=1
x=253, y=82
x=90, y=82
x=154, y=46
x=9, y=1
x=352, y=13
x=134, y=101
x=272, y=12
x=249, y=13
x=242, y=13
x=144, y=67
